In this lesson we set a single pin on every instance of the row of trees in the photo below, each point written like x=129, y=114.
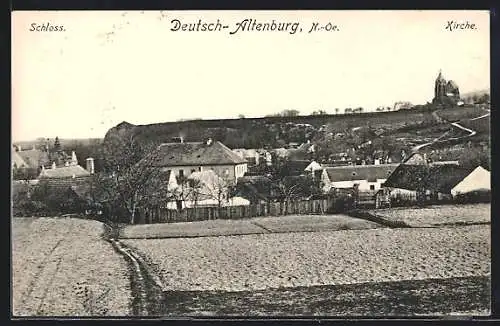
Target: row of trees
x=294, y=113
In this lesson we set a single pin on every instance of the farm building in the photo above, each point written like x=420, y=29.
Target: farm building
x=435, y=181
x=366, y=177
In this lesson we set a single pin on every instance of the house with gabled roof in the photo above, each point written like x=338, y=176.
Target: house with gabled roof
x=17, y=161
x=34, y=158
x=436, y=180
x=365, y=177
x=184, y=158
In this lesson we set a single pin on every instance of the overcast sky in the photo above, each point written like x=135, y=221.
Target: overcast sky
x=109, y=67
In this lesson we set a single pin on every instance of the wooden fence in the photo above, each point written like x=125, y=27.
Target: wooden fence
x=164, y=215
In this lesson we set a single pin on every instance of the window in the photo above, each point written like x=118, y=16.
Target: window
x=372, y=187
x=181, y=173
x=199, y=168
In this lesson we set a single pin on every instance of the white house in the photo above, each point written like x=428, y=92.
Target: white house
x=367, y=177
x=479, y=179
x=184, y=158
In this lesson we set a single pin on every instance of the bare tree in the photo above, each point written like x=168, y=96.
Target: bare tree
x=131, y=178
x=217, y=188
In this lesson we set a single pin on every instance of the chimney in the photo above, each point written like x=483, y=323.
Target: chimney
x=34, y=147
x=90, y=165
x=19, y=148
x=181, y=139
x=53, y=165
x=66, y=163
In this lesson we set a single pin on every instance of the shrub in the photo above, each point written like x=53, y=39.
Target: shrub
x=481, y=196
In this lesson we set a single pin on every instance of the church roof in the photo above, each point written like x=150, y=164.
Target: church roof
x=452, y=84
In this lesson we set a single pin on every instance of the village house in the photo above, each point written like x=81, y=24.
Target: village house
x=184, y=158
x=31, y=158
x=71, y=182
x=368, y=178
x=435, y=181
x=71, y=169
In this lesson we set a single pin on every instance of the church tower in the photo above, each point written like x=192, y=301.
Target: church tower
x=445, y=92
x=439, y=87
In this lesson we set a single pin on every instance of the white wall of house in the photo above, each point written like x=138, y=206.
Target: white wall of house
x=402, y=192
x=232, y=172
x=364, y=185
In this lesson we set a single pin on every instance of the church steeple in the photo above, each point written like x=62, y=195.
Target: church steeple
x=440, y=77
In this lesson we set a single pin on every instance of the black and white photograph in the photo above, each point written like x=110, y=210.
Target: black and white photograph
x=205, y=164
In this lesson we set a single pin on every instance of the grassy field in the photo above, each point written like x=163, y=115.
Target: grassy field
x=459, y=295
x=437, y=215
x=258, y=225
x=62, y=267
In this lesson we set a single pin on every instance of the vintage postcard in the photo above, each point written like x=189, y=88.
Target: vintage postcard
x=250, y=163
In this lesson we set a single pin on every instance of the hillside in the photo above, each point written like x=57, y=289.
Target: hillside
x=362, y=136
x=270, y=131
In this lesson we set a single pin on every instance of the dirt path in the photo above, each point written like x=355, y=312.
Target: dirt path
x=455, y=124
x=147, y=293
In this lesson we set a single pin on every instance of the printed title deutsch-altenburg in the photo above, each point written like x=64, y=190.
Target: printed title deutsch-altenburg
x=246, y=25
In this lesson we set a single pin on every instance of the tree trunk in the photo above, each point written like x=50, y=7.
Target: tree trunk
x=132, y=216
x=134, y=206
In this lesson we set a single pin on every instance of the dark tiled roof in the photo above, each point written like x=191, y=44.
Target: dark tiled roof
x=296, y=166
x=440, y=178
x=179, y=154
x=411, y=177
x=360, y=172
x=65, y=172
x=443, y=178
